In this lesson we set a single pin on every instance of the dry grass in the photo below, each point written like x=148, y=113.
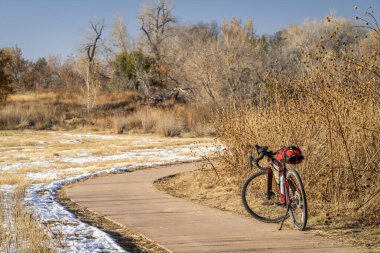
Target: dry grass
x=169, y=125
x=32, y=97
x=25, y=116
x=23, y=233
x=188, y=120
x=8, y=178
x=118, y=112
x=116, y=97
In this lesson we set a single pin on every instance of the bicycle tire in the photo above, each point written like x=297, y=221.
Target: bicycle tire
x=301, y=202
x=252, y=210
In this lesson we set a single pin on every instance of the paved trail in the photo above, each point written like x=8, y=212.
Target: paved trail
x=182, y=226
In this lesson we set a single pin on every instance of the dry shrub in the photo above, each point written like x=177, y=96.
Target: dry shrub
x=122, y=111
x=47, y=110
x=332, y=111
x=22, y=116
x=152, y=120
x=123, y=124
x=169, y=124
x=197, y=119
x=148, y=119
x=144, y=119
x=120, y=124
x=115, y=97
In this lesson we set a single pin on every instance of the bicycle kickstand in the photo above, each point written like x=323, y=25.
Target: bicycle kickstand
x=286, y=214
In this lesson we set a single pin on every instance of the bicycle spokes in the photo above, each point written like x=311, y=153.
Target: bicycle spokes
x=297, y=200
x=260, y=203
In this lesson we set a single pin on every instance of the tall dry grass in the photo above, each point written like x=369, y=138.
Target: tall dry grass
x=332, y=112
x=118, y=111
x=190, y=120
x=27, y=116
x=23, y=233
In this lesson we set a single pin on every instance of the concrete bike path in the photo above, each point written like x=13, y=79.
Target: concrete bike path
x=182, y=226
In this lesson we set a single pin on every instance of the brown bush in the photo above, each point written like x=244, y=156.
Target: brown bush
x=169, y=124
x=23, y=116
x=332, y=111
x=173, y=121
x=123, y=124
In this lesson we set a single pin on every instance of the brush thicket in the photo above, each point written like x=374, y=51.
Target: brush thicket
x=332, y=112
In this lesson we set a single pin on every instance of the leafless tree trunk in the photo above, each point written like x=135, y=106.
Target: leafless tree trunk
x=97, y=28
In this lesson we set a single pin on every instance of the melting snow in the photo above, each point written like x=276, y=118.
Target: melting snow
x=163, y=153
x=95, y=136
x=71, y=142
x=24, y=164
x=49, y=174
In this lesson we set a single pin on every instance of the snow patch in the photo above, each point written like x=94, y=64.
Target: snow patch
x=49, y=174
x=24, y=164
x=162, y=153
x=94, y=136
x=77, y=141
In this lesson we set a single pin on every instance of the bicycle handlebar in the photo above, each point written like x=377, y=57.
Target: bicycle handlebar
x=263, y=151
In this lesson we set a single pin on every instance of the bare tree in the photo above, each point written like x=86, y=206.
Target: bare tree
x=119, y=41
x=90, y=49
x=119, y=36
x=156, y=21
x=224, y=66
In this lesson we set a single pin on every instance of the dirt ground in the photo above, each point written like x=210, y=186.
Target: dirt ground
x=200, y=186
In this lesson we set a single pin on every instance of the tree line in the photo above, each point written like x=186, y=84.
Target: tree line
x=204, y=62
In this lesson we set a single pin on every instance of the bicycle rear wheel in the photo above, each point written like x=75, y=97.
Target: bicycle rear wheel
x=256, y=202
x=298, y=203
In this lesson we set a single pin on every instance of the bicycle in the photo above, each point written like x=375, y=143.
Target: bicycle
x=288, y=201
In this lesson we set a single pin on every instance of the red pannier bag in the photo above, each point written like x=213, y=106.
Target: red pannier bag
x=290, y=155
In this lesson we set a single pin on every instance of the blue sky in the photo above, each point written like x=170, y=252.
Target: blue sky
x=54, y=27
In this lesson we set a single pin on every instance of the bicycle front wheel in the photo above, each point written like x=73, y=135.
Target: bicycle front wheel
x=298, y=203
x=257, y=202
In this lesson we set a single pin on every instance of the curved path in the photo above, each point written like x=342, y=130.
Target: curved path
x=182, y=226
